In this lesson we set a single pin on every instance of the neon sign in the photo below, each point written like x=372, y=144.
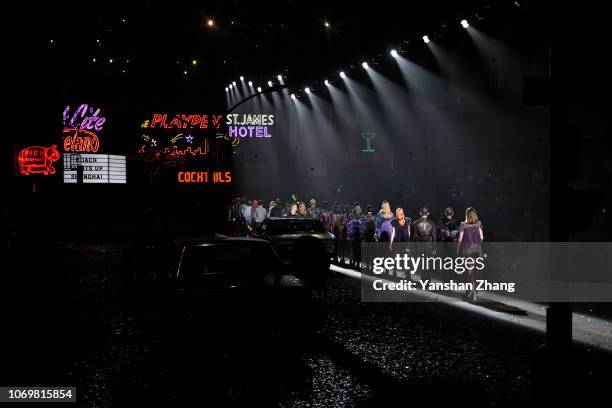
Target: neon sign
x=204, y=177
x=369, y=142
x=179, y=153
x=80, y=129
x=81, y=141
x=249, y=125
x=181, y=121
x=87, y=122
x=38, y=160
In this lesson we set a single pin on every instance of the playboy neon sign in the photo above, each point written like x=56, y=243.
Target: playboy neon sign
x=181, y=121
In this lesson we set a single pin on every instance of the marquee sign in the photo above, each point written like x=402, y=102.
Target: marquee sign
x=38, y=160
x=96, y=168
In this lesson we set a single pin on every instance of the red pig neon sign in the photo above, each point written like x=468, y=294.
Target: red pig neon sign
x=38, y=160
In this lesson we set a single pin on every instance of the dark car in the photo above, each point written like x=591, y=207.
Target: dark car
x=239, y=284
x=283, y=232
x=235, y=312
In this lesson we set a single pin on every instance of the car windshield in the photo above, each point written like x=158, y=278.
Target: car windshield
x=228, y=259
x=306, y=226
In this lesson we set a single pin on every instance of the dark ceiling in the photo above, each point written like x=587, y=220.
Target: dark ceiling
x=152, y=45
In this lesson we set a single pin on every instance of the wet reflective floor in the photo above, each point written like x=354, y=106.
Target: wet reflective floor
x=72, y=318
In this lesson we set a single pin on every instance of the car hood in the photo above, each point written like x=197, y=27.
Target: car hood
x=293, y=237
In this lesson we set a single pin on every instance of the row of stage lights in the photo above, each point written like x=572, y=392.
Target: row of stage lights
x=464, y=23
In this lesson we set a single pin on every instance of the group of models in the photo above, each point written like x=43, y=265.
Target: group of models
x=352, y=226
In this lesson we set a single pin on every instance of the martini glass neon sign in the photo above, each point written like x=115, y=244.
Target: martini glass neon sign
x=368, y=137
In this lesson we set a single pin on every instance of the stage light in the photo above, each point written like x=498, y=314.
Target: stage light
x=342, y=74
x=210, y=22
x=241, y=78
x=194, y=62
x=259, y=89
x=326, y=82
x=234, y=83
x=250, y=83
x=394, y=54
x=231, y=87
x=327, y=24
x=280, y=77
x=293, y=96
x=426, y=39
x=307, y=90
x=110, y=61
x=465, y=24
x=269, y=83
x=364, y=65
x=226, y=89
x=185, y=72
x=93, y=59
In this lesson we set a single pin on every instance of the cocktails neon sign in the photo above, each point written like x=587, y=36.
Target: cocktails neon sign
x=204, y=177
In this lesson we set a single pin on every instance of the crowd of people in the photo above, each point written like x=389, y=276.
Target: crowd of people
x=351, y=225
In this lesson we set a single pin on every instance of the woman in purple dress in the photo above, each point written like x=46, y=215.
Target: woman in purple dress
x=468, y=243
x=385, y=214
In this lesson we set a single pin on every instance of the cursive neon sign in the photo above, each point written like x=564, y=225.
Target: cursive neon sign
x=84, y=117
x=80, y=141
x=80, y=129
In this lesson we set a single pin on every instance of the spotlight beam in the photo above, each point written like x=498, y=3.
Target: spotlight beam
x=265, y=91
